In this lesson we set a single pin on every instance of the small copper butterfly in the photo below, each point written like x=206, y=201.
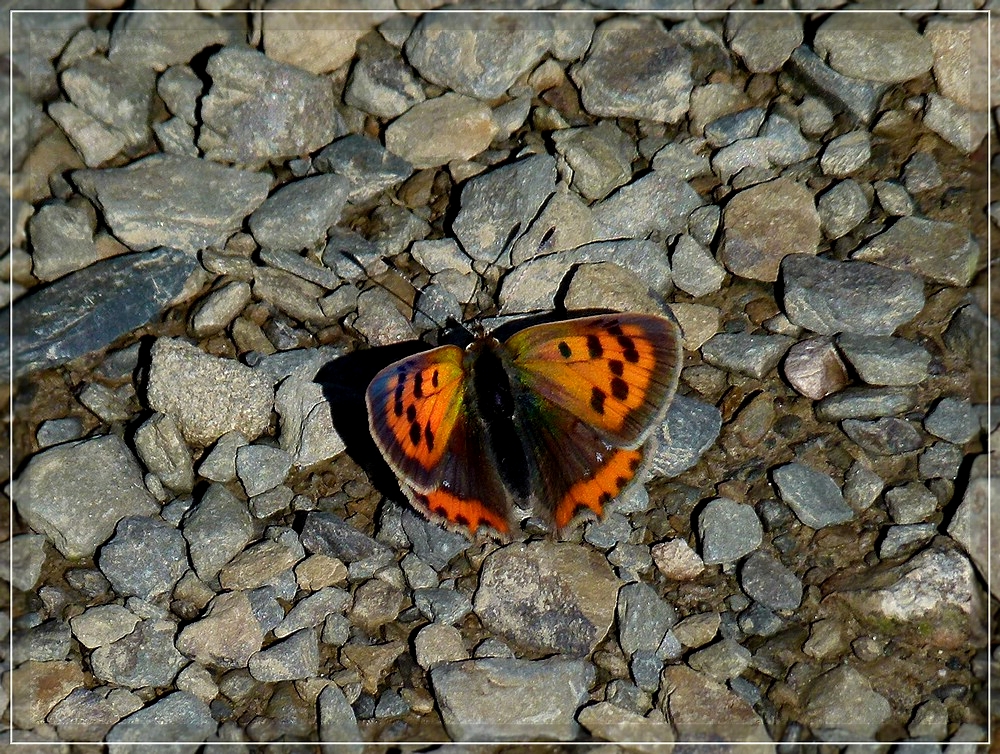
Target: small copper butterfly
x=557, y=417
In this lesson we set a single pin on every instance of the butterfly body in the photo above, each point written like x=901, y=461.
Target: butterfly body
x=557, y=418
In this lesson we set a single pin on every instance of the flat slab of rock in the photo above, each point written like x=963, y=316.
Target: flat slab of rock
x=89, y=309
x=496, y=699
x=170, y=200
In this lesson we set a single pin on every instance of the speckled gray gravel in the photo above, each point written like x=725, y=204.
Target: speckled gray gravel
x=224, y=225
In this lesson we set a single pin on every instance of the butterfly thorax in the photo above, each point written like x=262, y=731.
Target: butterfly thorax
x=493, y=397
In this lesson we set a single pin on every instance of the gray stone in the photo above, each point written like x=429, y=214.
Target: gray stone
x=48, y=641
x=857, y=97
x=220, y=308
x=379, y=321
x=952, y=419
x=887, y=436
x=921, y=173
x=601, y=158
x=207, y=396
x=62, y=240
x=463, y=127
x=764, y=224
x=885, y=360
x=179, y=87
x=118, y=96
x=88, y=309
x=431, y=542
x=728, y=531
x=694, y=269
x=655, y=203
x=155, y=40
x=368, y=167
x=894, y=199
x=168, y=200
x=635, y=69
x=963, y=129
x=161, y=447
x=308, y=434
x=546, y=596
x=328, y=534
x=770, y=582
x=313, y=610
x=482, y=56
x=861, y=486
x=262, y=563
x=439, y=643
x=866, y=403
x=77, y=493
x=753, y=354
x=27, y=556
x=690, y=428
x=940, y=251
x=498, y=206
x=145, y=558
x=88, y=714
x=644, y=619
x=445, y=606
x=885, y=47
x=765, y=42
x=744, y=124
x=337, y=722
x=298, y=214
x=261, y=109
x=261, y=468
x=110, y=406
x=857, y=297
x=608, y=531
x=841, y=706
x=287, y=660
x=911, y=503
x=535, y=285
x=941, y=460
x=216, y=530
x=178, y=716
x=722, y=660
x=145, y=657
x=226, y=635
x=846, y=154
x=500, y=699
x=219, y=464
x=812, y=495
x=57, y=431
x=381, y=82
x=842, y=208
x=681, y=161
x=104, y=624
x=900, y=540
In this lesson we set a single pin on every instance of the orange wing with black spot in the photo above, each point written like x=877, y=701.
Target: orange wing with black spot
x=589, y=393
x=419, y=418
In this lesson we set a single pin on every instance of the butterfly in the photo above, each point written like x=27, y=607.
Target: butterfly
x=556, y=418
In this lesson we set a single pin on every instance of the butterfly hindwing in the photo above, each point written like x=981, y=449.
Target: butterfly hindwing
x=421, y=417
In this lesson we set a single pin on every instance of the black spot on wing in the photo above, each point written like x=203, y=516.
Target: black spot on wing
x=597, y=397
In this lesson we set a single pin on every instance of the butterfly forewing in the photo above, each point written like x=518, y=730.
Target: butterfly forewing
x=413, y=406
x=616, y=372
x=420, y=416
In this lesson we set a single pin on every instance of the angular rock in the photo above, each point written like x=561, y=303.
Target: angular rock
x=77, y=493
x=167, y=200
x=814, y=497
x=550, y=597
x=207, y=396
x=505, y=700
x=261, y=109
x=145, y=558
x=88, y=309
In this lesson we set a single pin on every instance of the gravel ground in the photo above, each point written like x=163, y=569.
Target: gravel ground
x=224, y=225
